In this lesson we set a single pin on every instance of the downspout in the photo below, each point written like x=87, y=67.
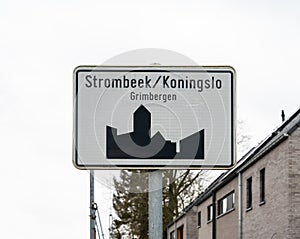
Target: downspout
x=214, y=222
x=240, y=205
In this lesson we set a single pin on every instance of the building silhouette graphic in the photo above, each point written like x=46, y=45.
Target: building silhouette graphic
x=139, y=144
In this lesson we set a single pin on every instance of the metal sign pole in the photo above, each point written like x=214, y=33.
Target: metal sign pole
x=92, y=211
x=155, y=205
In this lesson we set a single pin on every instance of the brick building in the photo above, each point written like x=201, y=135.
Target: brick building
x=259, y=198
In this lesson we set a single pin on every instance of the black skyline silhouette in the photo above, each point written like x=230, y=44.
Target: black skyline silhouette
x=139, y=144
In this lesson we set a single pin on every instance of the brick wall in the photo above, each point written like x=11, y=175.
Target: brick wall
x=191, y=226
x=205, y=231
x=269, y=220
x=294, y=185
x=227, y=224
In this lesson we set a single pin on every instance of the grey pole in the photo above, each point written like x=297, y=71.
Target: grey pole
x=240, y=212
x=155, y=205
x=92, y=211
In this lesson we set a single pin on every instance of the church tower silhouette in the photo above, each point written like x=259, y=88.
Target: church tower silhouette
x=141, y=126
x=158, y=147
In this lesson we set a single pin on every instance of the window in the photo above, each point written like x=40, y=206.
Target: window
x=199, y=219
x=249, y=193
x=209, y=213
x=180, y=233
x=226, y=204
x=262, y=185
x=172, y=235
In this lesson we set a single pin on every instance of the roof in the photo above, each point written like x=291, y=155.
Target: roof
x=253, y=155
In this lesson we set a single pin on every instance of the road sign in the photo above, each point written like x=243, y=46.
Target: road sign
x=154, y=117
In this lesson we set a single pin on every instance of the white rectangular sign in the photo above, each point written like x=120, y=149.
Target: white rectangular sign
x=154, y=117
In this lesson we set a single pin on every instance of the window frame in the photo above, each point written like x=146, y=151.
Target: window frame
x=262, y=186
x=225, y=201
x=210, y=212
x=249, y=191
x=172, y=234
x=180, y=232
x=199, y=219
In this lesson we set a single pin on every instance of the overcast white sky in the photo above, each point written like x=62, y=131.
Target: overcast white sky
x=41, y=42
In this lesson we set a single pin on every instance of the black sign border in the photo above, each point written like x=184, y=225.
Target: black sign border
x=202, y=69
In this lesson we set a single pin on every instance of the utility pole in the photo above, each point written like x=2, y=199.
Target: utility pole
x=92, y=209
